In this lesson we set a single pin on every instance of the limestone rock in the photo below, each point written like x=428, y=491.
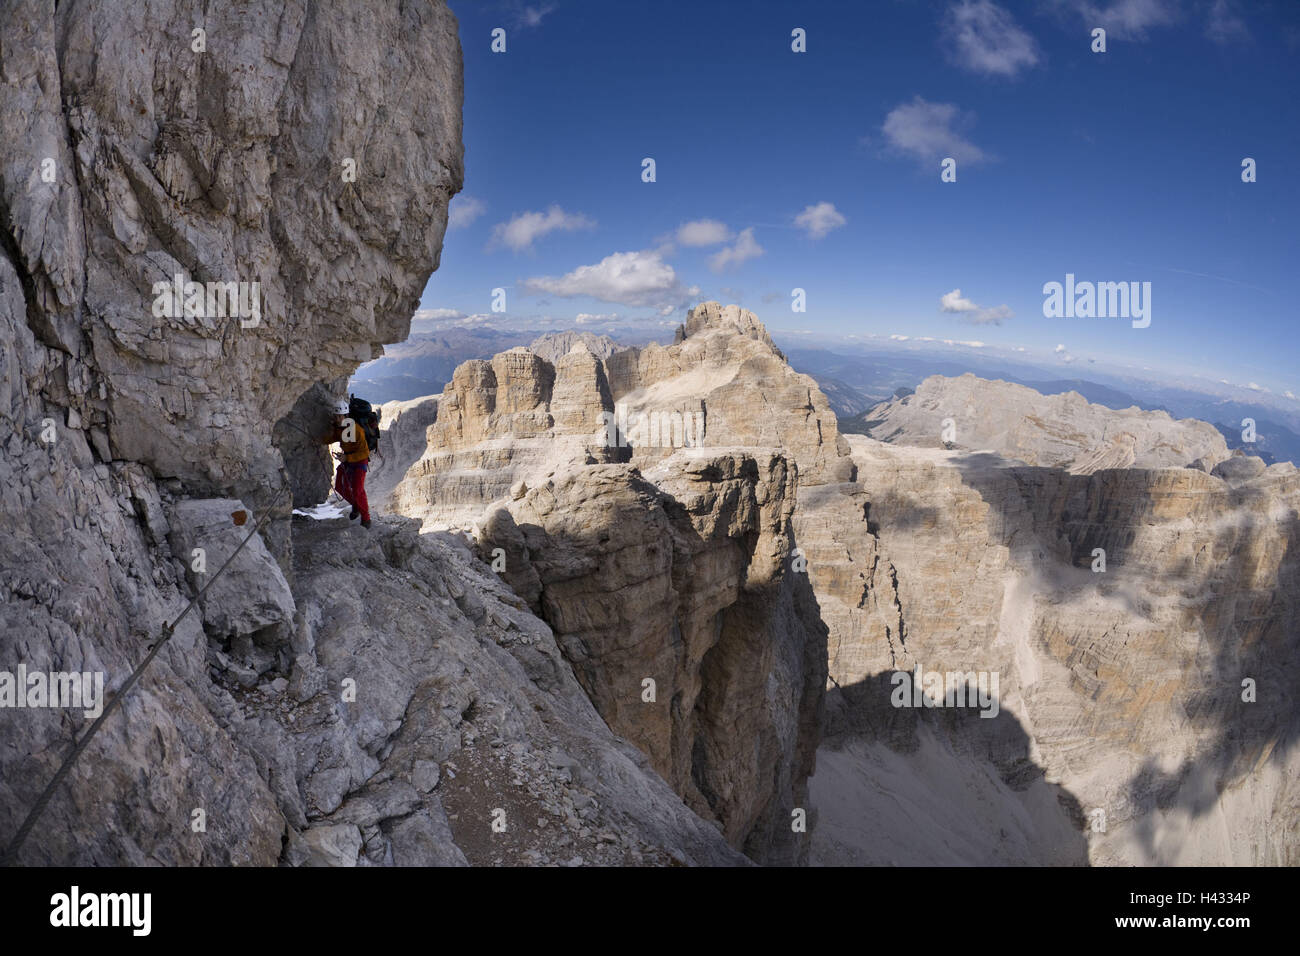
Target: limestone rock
x=555, y=345
x=1064, y=431
x=678, y=578
x=252, y=594
x=1239, y=468
x=403, y=429
x=223, y=167
x=1120, y=688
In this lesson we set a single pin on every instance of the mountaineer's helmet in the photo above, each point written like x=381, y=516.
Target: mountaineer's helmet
x=340, y=407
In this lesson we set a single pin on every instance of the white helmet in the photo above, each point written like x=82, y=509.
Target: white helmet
x=340, y=407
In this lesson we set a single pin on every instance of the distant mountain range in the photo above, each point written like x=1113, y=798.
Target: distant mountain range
x=423, y=364
x=854, y=382
x=853, y=379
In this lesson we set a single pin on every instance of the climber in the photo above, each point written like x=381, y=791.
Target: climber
x=354, y=462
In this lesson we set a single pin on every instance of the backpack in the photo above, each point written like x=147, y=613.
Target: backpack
x=367, y=416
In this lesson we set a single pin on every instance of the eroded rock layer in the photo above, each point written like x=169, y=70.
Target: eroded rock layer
x=338, y=697
x=1119, y=616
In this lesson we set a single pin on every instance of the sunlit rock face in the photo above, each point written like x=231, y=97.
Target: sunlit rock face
x=302, y=160
x=1129, y=614
x=1116, y=733
x=1059, y=431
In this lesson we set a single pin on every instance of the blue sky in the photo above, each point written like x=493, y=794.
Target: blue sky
x=821, y=170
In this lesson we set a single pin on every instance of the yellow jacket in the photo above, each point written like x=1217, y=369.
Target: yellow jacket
x=353, y=451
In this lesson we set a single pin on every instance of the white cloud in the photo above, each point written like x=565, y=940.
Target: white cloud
x=628, y=278
x=745, y=248
x=463, y=211
x=1255, y=387
x=532, y=16
x=993, y=316
x=953, y=302
x=899, y=338
x=969, y=345
x=1287, y=394
x=1059, y=349
x=477, y=318
x=1127, y=19
x=984, y=38
x=929, y=131
x=433, y=315
x=703, y=232
x=588, y=318
x=1020, y=348
x=970, y=312
x=819, y=219
x=1223, y=25
x=524, y=229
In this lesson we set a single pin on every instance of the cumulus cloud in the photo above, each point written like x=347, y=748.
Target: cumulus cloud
x=984, y=38
x=1127, y=19
x=1288, y=394
x=969, y=311
x=745, y=248
x=526, y=228
x=1059, y=349
x=931, y=131
x=899, y=338
x=703, y=232
x=818, y=220
x=463, y=211
x=589, y=318
x=627, y=278
x=434, y=315
x=954, y=302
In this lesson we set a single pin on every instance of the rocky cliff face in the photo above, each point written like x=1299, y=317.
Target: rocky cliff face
x=130, y=164
x=403, y=430
x=337, y=697
x=662, y=562
x=555, y=345
x=1055, y=431
x=1116, y=731
x=1121, y=673
x=675, y=549
x=668, y=594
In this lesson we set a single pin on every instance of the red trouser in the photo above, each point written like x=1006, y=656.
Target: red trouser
x=350, y=482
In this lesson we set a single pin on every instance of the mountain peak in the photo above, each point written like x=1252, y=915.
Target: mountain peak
x=714, y=316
